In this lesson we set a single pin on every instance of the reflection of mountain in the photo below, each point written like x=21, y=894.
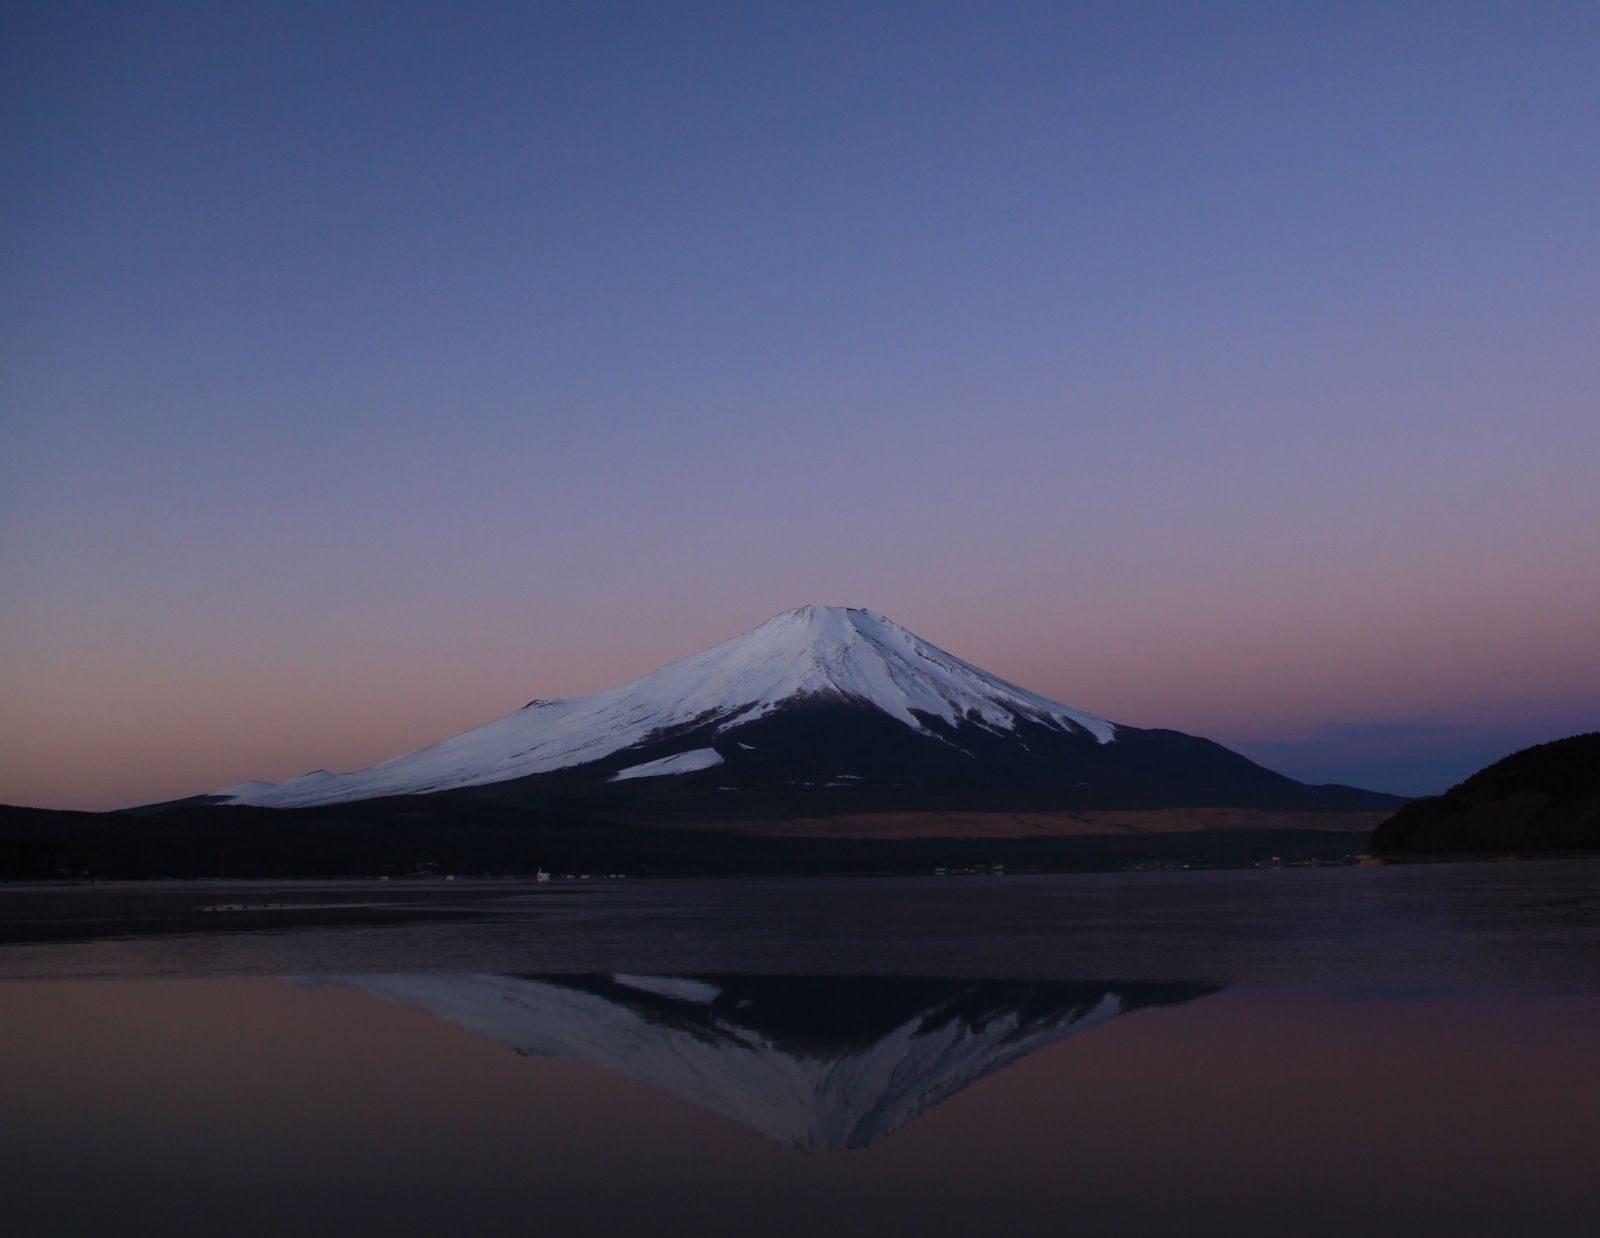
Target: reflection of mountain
x=811, y=1061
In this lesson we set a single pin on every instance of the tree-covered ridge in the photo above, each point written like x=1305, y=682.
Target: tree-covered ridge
x=1544, y=798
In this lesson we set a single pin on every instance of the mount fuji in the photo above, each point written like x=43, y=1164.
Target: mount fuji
x=818, y=712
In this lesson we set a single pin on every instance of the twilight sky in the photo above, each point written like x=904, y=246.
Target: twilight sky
x=369, y=369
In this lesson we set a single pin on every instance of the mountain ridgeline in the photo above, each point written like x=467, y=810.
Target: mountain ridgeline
x=1544, y=798
x=824, y=740
x=820, y=711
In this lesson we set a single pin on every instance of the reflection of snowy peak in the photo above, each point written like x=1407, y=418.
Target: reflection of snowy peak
x=807, y=655
x=813, y=1062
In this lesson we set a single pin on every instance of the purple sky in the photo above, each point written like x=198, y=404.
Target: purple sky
x=367, y=372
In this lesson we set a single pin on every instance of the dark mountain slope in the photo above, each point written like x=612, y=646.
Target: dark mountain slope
x=829, y=758
x=1544, y=798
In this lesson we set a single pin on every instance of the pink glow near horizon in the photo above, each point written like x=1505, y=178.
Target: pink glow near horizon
x=1249, y=671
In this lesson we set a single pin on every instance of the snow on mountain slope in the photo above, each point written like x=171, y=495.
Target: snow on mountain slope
x=808, y=652
x=813, y=1097
x=683, y=763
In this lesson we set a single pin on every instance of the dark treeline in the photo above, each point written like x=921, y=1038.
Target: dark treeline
x=1544, y=798
x=405, y=837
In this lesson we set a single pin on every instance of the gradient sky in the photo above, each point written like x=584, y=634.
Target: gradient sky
x=368, y=370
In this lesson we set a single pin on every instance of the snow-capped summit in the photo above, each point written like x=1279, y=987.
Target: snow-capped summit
x=810, y=654
x=819, y=651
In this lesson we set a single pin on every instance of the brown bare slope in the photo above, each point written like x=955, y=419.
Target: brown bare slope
x=1077, y=824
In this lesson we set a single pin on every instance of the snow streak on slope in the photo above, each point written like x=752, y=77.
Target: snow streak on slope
x=809, y=652
x=820, y=1096
x=683, y=763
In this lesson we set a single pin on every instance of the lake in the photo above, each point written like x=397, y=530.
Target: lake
x=1387, y=1050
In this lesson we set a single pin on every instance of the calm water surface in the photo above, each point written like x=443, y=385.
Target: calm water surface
x=1335, y=1051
